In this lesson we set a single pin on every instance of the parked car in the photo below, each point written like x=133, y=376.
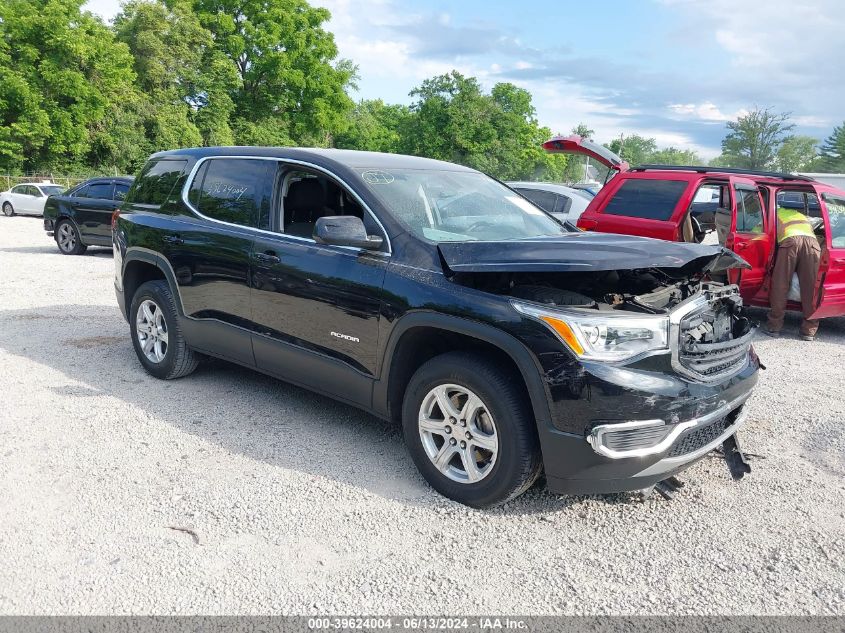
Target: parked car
x=564, y=203
x=27, y=198
x=430, y=294
x=82, y=217
x=681, y=203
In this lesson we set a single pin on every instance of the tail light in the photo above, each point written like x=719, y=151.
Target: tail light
x=114, y=217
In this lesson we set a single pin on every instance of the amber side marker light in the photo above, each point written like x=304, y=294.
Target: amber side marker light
x=565, y=332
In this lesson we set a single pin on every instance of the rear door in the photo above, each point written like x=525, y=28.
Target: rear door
x=830, y=286
x=22, y=199
x=751, y=236
x=93, y=209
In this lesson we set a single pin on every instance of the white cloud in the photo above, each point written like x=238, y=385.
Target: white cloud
x=705, y=111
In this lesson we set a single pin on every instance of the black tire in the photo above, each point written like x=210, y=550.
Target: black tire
x=67, y=238
x=8, y=209
x=518, y=462
x=178, y=359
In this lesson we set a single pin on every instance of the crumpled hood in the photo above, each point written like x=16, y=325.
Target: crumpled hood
x=588, y=252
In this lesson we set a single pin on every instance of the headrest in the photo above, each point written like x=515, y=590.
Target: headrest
x=307, y=192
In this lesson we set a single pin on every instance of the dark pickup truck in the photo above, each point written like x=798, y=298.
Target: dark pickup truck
x=430, y=294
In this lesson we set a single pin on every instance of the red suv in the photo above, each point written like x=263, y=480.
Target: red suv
x=736, y=207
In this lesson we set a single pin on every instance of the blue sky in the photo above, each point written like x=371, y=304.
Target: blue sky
x=675, y=70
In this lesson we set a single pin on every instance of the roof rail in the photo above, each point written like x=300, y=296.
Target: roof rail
x=725, y=170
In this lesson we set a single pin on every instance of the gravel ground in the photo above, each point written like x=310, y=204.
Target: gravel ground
x=229, y=492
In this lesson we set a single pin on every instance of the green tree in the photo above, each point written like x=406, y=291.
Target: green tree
x=832, y=151
x=753, y=140
x=169, y=47
x=375, y=126
x=66, y=87
x=675, y=156
x=289, y=85
x=635, y=149
x=583, y=130
x=796, y=153
x=497, y=133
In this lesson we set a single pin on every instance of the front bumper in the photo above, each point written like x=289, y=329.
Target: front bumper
x=667, y=423
x=49, y=226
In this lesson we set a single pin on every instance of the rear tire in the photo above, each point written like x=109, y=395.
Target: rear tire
x=156, y=335
x=486, y=452
x=67, y=239
x=8, y=209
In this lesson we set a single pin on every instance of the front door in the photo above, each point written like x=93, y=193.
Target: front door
x=830, y=286
x=751, y=236
x=316, y=307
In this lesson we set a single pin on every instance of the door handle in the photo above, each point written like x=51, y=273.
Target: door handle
x=268, y=257
x=173, y=239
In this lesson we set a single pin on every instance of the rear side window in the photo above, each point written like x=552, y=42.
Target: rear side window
x=543, y=199
x=156, y=181
x=120, y=191
x=749, y=211
x=234, y=190
x=100, y=191
x=648, y=199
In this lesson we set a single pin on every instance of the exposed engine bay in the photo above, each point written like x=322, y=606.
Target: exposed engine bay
x=644, y=291
x=714, y=335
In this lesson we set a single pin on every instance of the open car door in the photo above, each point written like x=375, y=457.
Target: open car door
x=750, y=232
x=830, y=283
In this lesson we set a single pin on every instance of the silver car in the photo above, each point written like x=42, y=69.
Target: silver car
x=565, y=203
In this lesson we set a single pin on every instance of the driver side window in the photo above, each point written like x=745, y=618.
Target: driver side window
x=309, y=195
x=749, y=211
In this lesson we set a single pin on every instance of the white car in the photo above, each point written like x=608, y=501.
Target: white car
x=565, y=203
x=28, y=198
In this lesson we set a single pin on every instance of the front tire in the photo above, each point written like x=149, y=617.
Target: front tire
x=67, y=239
x=8, y=209
x=156, y=335
x=470, y=429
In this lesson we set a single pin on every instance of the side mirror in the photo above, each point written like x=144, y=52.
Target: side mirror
x=345, y=230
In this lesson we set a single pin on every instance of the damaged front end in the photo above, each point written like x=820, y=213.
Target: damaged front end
x=662, y=352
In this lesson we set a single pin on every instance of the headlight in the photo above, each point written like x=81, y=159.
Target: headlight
x=604, y=337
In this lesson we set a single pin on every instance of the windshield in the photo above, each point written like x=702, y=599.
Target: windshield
x=454, y=206
x=52, y=190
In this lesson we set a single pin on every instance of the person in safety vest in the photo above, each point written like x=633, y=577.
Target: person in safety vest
x=798, y=251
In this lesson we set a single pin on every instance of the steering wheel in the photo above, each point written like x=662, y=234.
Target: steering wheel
x=480, y=225
x=698, y=231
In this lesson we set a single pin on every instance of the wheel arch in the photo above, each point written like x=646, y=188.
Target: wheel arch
x=420, y=336
x=141, y=265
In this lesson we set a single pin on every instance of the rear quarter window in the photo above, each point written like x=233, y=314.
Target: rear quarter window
x=156, y=181
x=648, y=199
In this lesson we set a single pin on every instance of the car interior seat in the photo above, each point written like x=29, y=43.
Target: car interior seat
x=305, y=202
x=722, y=218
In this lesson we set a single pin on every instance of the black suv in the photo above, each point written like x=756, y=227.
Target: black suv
x=433, y=295
x=81, y=217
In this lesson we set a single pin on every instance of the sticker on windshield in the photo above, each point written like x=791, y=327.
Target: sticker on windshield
x=377, y=177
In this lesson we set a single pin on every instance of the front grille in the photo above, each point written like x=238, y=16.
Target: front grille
x=713, y=342
x=695, y=439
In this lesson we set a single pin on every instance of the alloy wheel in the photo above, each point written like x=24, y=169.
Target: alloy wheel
x=8, y=211
x=458, y=433
x=151, y=330
x=67, y=237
